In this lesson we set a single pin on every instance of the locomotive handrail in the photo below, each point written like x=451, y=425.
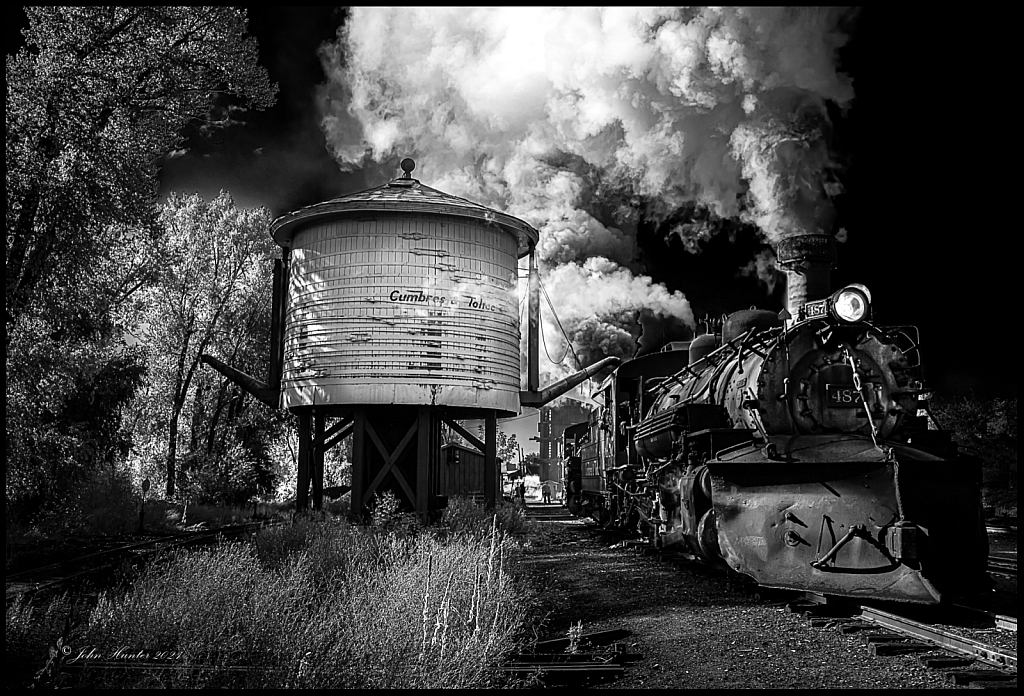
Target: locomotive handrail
x=751, y=340
x=756, y=338
x=675, y=377
x=663, y=382
x=739, y=351
x=895, y=332
x=686, y=369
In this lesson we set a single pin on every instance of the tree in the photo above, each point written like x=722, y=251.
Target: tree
x=212, y=296
x=508, y=448
x=533, y=464
x=985, y=428
x=95, y=98
x=64, y=408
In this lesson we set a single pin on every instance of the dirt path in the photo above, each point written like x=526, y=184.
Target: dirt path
x=694, y=630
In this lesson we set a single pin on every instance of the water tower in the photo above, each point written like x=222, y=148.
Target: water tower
x=395, y=310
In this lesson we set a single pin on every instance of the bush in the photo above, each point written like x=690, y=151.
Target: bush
x=64, y=401
x=463, y=514
x=986, y=429
x=105, y=504
x=37, y=631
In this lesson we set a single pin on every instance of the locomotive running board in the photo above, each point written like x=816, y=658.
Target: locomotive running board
x=818, y=514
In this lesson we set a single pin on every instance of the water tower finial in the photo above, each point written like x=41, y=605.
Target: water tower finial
x=407, y=166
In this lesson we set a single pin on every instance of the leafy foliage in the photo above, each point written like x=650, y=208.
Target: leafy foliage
x=95, y=98
x=64, y=407
x=211, y=297
x=986, y=429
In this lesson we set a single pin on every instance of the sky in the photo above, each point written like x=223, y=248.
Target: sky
x=914, y=206
x=630, y=149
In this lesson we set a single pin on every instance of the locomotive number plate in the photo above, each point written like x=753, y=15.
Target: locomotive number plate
x=843, y=396
x=818, y=308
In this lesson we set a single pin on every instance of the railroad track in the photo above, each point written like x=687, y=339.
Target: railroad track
x=1002, y=529
x=934, y=636
x=555, y=662
x=1002, y=565
x=107, y=562
x=964, y=660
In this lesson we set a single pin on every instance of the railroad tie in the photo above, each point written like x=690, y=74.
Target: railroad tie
x=933, y=662
x=970, y=676
x=988, y=684
x=898, y=648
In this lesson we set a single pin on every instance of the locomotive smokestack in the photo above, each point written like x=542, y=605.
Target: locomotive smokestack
x=807, y=260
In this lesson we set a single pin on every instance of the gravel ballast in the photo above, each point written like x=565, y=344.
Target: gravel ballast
x=694, y=629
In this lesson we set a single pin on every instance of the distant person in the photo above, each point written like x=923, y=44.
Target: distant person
x=546, y=492
x=522, y=491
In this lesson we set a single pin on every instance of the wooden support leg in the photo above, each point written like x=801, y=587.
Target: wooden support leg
x=317, y=468
x=359, y=465
x=490, y=460
x=305, y=445
x=423, y=443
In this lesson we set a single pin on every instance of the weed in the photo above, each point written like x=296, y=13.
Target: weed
x=318, y=604
x=575, y=636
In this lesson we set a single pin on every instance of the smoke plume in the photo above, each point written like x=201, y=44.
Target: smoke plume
x=580, y=120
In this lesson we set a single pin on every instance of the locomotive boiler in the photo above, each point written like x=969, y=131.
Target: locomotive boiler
x=793, y=448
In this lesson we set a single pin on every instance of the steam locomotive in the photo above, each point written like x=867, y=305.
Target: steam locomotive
x=792, y=448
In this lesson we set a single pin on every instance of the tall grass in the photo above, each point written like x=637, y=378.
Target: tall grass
x=320, y=604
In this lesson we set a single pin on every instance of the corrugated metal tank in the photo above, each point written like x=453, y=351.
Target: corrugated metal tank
x=402, y=295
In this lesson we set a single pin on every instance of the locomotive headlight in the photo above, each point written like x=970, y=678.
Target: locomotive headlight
x=852, y=303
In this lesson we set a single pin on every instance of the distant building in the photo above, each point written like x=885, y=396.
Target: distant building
x=553, y=420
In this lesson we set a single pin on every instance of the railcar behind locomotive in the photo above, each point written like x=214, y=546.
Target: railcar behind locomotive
x=793, y=449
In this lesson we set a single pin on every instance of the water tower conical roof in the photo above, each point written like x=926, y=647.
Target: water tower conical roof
x=402, y=195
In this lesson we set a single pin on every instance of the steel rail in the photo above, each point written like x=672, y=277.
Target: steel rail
x=1007, y=623
x=997, y=529
x=20, y=584
x=173, y=538
x=998, y=657
x=1002, y=565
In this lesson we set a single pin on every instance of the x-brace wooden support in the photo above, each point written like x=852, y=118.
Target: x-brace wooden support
x=389, y=461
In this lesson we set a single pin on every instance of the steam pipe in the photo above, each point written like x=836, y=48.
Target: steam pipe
x=267, y=394
x=536, y=399
x=276, y=323
x=533, y=327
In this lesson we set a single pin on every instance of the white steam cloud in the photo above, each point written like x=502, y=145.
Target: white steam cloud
x=577, y=119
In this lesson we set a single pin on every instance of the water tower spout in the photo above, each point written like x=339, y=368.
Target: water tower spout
x=536, y=399
x=265, y=393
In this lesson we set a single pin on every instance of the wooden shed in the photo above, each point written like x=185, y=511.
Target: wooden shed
x=461, y=472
